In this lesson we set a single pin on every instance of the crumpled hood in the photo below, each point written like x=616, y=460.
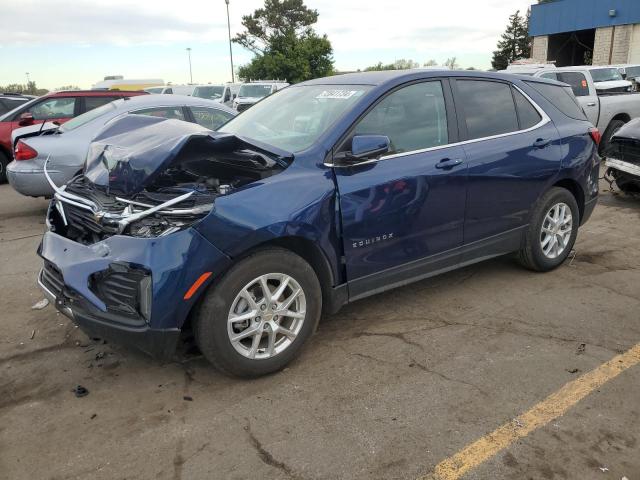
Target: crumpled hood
x=612, y=84
x=131, y=152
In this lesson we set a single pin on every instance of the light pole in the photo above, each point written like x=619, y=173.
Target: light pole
x=28, y=80
x=233, y=79
x=190, y=72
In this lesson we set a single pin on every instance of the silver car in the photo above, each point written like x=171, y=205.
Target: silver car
x=66, y=146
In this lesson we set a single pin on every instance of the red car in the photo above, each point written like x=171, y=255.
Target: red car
x=54, y=107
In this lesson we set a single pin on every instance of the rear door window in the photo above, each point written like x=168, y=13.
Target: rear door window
x=175, y=113
x=94, y=102
x=577, y=81
x=527, y=113
x=488, y=108
x=211, y=118
x=561, y=97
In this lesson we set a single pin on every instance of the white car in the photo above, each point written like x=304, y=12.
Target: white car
x=222, y=92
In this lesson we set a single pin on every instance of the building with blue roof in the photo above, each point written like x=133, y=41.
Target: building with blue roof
x=579, y=32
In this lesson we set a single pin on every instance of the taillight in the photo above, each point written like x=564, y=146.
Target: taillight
x=24, y=151
x=596, y=136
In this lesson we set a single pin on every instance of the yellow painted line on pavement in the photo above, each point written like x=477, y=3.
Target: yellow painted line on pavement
x=554, y=406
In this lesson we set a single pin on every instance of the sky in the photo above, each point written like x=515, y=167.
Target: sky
x=78, y=42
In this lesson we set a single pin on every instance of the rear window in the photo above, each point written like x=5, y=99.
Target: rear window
x=561, y=97
x=527, y=113
x=577, y=81
x=488, y=108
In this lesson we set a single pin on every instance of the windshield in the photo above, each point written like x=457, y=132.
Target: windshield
x=254, y=90
x=211, y=93
x=154, y=90
x=606, y=74
x=87, y=117
x=632, y=72
x=294, y=118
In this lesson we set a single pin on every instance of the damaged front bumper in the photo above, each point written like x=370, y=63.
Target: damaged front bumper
x=129, y=290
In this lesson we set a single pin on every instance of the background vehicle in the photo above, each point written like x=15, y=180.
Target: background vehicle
x=171, y=89
x=324, y=193
x=10, y=101
x=623, y=158
x=56, y=107
x=223, y=93
x=67, y=145
x=630, y=72
x=603, y=95
x=118, y=82
x=254, y=91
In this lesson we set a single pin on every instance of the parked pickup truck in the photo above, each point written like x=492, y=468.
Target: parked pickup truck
x=603, y=94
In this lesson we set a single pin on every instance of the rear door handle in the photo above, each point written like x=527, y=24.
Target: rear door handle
x=448, y=163
x=541, y=143
x=591, y=104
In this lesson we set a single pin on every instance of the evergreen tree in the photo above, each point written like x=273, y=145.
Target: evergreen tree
x=515, y=43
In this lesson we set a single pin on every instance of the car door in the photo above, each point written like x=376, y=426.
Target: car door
x=513, y=150
x=403, y=213
x=89, y=103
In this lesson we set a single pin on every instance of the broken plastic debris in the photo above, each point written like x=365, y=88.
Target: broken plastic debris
x=581, y=348
x=80, y=391
x=604, y=469
x=41, y=304
x=188, y=398
x=33, y=334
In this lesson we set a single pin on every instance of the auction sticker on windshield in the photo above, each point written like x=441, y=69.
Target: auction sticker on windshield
x=341, y=94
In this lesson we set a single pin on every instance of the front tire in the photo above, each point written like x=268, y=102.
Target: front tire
x=258, y=316
x=552, y=231
x=613, y=127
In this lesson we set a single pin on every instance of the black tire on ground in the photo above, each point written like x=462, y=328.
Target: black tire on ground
x=613, y=127
x=531, y=255
x=210, y=322
x=4, y=161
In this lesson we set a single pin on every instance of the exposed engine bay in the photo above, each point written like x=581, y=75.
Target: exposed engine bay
x=156, y=179
x=623, y=158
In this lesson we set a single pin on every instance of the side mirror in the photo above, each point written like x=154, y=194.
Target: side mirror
x=26, y=119
x=367, y=146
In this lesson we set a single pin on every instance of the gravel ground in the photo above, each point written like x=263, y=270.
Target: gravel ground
x=387, y=389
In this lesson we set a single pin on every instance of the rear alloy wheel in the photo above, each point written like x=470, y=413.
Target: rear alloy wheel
x=557, y=227
x=255, y=319
x=552, y=231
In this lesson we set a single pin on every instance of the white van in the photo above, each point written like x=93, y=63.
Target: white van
x=254, y=91
x=223, y=93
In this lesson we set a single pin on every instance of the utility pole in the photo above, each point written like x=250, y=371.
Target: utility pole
x=28, y=80
x=190, y=72
x=233, y=78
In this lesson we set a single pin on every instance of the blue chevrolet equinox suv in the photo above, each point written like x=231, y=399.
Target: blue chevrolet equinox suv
x=324, y=193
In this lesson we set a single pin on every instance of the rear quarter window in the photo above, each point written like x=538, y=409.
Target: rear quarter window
x=561, y=97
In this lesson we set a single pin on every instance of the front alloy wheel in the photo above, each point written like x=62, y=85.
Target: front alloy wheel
x=266, y=316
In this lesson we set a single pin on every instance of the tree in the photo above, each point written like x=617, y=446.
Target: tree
x=430, y=63
x=285, y=45
x=400, y=64
x=515, y=43
x=29, y=89
x=451, y=63
x=67, y=87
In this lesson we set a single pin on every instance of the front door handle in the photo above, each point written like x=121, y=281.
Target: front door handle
x=541, y=143
x=591, y=104
x=448, y=163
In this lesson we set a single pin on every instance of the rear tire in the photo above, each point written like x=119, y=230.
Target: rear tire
x=548, y=240
x=240, y=294
x=4, y=161
x=613, y=127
